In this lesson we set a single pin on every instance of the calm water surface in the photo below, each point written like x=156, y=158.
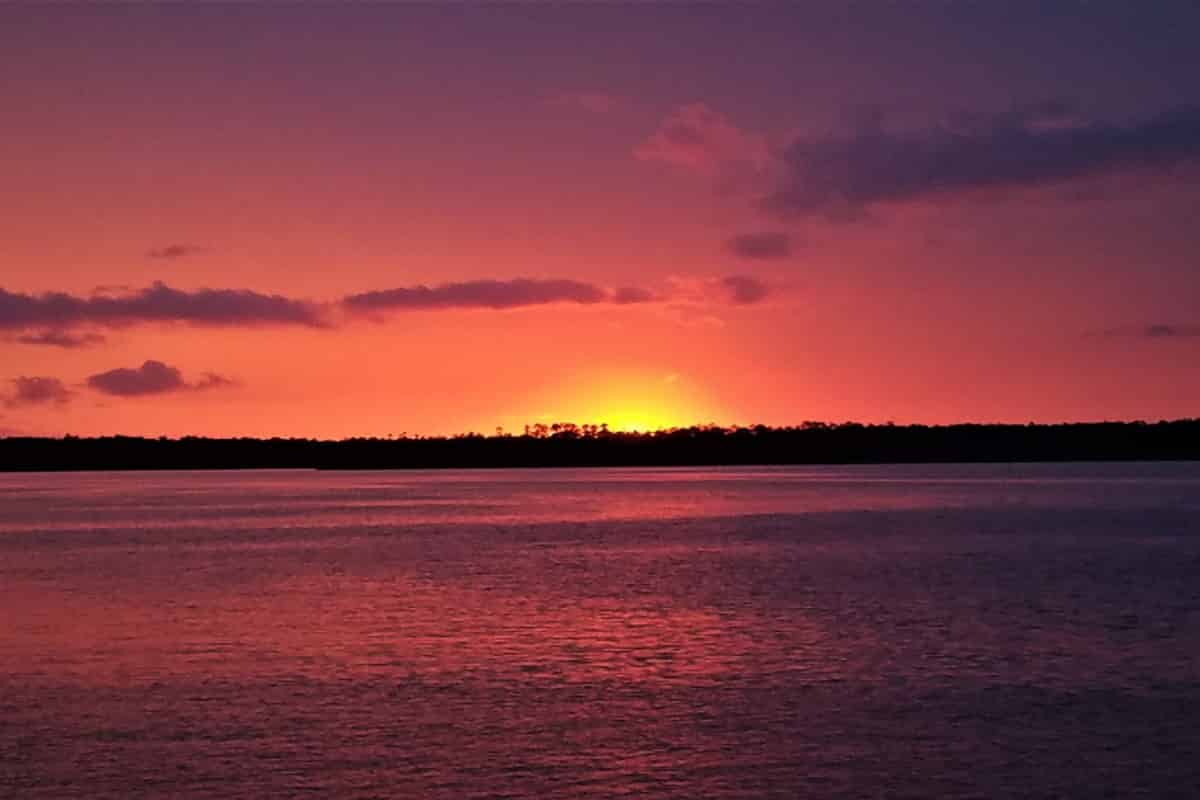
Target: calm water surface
x=898, y=631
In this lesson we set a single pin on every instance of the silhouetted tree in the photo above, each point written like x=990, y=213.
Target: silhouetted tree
x=595, y=445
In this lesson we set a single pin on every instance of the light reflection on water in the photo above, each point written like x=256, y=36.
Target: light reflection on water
x=949, y=631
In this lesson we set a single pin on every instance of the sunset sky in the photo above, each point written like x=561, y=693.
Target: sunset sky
x=345, y=219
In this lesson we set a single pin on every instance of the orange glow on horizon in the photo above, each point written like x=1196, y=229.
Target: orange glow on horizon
x=626, y=400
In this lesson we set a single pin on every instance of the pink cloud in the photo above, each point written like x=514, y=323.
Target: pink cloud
x=699, y=138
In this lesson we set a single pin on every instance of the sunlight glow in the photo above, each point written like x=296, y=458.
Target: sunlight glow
x=625, y=399
x=641, y=401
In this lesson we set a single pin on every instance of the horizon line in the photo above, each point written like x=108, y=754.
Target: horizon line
x=569, y=430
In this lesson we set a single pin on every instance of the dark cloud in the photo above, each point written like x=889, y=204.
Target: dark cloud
x=37, y=391
x=174, y=251
x=764, y=246
x=152, y=377
x=493, y=294
x=157, y=303
x=64, y=339
x=841, y=178
x=744, y=290
x=53, y=318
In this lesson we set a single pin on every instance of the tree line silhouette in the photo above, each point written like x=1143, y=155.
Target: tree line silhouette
x=572, y=445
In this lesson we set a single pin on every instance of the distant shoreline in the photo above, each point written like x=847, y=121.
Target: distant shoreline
x=567, y=445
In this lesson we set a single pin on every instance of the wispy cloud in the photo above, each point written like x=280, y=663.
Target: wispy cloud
x=173, y=252
x=1169, y=331
x=744, y=289
x=698, y=301
x=152, y=377
x=63, y=339
x=37, y=391
x=630, y=295
x=762, y=246
x=696, y=137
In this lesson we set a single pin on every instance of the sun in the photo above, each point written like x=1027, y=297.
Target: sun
x=630, y=424
x=639, y=401
x=623, y=399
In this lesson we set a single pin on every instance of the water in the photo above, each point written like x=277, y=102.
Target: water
x=986, y=631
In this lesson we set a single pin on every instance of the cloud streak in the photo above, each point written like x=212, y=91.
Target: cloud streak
x=744, y=290
x=1171, y=331
x=492, y=294
x=151, y=378
x=631, y=295
x=696, y=299
x=63, y=339
x=156, y=303
x=841, y=178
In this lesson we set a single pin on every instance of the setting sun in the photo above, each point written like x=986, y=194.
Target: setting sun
x=633, y=400
x=632, y=424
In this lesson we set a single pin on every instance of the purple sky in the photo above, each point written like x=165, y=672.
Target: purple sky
x=358, y=219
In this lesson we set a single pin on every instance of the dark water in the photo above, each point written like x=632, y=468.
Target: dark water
x=955, y=631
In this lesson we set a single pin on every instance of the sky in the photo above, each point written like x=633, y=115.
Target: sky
x=298, y=219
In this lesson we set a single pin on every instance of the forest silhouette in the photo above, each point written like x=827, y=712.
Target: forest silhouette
x=572, y=445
